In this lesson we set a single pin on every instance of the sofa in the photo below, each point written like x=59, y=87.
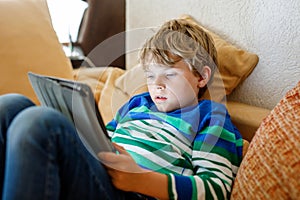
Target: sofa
x=271, y=166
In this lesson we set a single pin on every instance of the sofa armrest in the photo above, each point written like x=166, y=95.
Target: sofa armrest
x=246, y=118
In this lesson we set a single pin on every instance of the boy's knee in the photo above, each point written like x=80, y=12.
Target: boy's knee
x=9, y=101
x=12, y=97
x=35, y=124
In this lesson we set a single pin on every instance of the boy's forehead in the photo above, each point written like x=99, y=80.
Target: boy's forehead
x=156, y=66
x=155, y=60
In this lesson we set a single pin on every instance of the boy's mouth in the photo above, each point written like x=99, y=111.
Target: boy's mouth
x=160, y=98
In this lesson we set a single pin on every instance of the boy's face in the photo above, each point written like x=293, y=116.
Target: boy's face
x=173, y=87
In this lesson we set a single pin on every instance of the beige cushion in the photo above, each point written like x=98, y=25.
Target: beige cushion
x=102, y=82
x=28, y=43
x=271, y=167
x=132, y=82
x=246, y=118
x=234, y=66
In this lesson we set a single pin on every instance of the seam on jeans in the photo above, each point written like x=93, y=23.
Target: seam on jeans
x=49, y=175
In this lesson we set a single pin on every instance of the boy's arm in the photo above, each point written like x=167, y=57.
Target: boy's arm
x=149, y=183
x=126, y=175
x=216, y=157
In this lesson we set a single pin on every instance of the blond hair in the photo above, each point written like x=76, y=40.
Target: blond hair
x=185, y=41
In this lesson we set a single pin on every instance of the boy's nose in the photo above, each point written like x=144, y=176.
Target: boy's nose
x=159, y=83
x=160, y=87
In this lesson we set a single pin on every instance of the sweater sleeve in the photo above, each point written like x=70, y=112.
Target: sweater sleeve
x=216, y=157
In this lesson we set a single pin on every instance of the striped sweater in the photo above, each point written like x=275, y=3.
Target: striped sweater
x=197, y=147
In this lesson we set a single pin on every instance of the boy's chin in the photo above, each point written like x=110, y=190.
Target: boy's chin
x=166, y=108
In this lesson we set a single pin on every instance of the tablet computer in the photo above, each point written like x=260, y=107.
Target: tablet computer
x=76, y=101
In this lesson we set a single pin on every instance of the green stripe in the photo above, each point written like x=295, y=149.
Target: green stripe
x=204, y=147
x=156, y=145
x=166, y=131
x=220, y=132
x=214, y=162
x=157, y=149
x=239, y=142
x=211, y=174
x=194, y=190
x=207, y=190
x=142, y=143
x=136, y=128
x=207, y=176
x=217, y=189
x=174, y=121
x=151, y=164
x=170, y=187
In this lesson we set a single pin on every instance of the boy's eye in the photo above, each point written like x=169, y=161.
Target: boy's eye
x=150, y=76
x=170, y=74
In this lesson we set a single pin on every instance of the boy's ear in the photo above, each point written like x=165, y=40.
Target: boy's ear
x=205, y=77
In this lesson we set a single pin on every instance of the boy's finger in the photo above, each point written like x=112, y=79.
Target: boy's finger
x=120, y=149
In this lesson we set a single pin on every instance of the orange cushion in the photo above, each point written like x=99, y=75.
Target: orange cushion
x=271, y=167
x=28, y=43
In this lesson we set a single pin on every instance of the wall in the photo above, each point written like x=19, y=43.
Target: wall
x=270, y=29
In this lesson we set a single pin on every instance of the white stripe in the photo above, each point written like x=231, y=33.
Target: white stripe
x=228, y=185
x=212, y=157
x=174, y=155
x=221, y=175
x=206, y=164
x=110, y=133
x=215, y=157
x=200, y=188
x=187, y=172
x=178, y=145
x=234, y=169
x=212, y=190
x=153, y=157
x=173, y=186
x=219, y=182
x=179, y=140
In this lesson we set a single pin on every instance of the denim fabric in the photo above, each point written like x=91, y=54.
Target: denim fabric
x=43, y=158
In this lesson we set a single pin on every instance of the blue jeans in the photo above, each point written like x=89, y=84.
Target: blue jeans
x=43, y=158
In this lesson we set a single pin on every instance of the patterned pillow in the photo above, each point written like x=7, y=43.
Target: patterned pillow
x=271, y=167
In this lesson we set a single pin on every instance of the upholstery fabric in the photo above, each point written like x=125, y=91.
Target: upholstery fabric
x=271, y=167
x=28, y=43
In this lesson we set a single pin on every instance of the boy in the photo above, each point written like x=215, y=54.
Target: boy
x=172, y=144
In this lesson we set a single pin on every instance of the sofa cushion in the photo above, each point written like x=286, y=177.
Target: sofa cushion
x=271, y=167
x=249, y=121
x=28, y=43
x=234, y=66
x=102, y=82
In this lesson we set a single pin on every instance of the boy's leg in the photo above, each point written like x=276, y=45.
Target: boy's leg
x=45, y=159
x=10, y=106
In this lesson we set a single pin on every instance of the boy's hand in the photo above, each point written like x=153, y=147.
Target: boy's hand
x=124, y=171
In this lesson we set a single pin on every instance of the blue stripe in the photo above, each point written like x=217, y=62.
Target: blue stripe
x=217, y=142
x=184, y=187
